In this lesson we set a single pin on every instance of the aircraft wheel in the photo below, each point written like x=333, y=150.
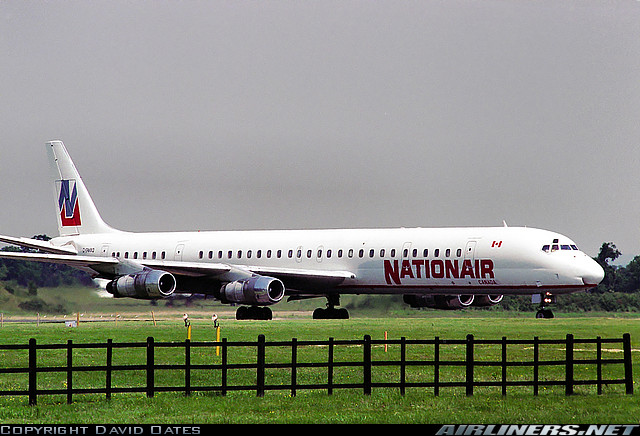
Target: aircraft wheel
x=330, y=313
x=319, y=313
x=254, y=312
x=544, y=313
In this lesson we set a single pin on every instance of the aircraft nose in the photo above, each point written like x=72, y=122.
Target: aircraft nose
x=593, y=273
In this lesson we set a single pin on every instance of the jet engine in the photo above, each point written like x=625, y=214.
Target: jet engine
x=486, y=300
x=258, y=291
x=147, y=285
x=445, y=302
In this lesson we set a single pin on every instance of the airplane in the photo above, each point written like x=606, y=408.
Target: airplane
x=439, y=268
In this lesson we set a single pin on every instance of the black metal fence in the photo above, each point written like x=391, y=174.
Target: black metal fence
x=410, y=364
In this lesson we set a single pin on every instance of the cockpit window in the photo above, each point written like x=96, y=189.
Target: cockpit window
x=555, y=247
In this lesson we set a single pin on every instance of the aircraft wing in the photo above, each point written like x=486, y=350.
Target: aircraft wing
x=110, y=267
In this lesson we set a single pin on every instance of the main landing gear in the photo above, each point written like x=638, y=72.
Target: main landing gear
x=331, y=312
x=543, y=300
x=254, y=312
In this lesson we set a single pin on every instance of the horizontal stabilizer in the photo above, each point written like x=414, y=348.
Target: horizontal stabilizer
x=38, y=244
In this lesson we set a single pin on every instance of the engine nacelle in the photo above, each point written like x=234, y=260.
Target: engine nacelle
x=147, y=285
x=443, y=302
x=257, y=291
x=486, y=300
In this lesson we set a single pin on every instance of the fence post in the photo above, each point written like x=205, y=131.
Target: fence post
x=469, y=365
x=599, y=364
x=150, y=367
x=109, y=364
x=260, y=366
x=628, y=371
x=33, y=379
x=436, y=367
x=224, y=366
x=536, y=369
x=187, y=367
x=330, y=368
x=569, y=366
x=294, y=358
x=366, y=365
x=69, y=371
x=403, y=364
x=504, y=365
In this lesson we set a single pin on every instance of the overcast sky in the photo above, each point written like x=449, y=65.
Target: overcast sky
x=207, y=115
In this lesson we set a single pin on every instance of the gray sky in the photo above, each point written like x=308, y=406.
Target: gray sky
x=206, y=115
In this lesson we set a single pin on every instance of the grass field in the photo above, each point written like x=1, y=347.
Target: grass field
x=419, y=405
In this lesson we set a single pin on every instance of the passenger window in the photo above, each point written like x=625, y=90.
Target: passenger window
x=328, y=254
x=340, y=253
x=309, y=254
x=415, y=252
x=248, y=254
x=459, y=252
x=163, y=255
x=425, y=253
x=290, y=254
x=230, y=254
x=393, y=252
x=299, y=254
x=144, y=255
x=319, y=254
x=447, y=253
x=211, y=254
x=361, y=253
x=351, y=252
x=239, y=254
x=371, y=252
x=436, y=253
x=135, y=255
x=382, y=252
x=405, y=253
x=220, y=254
x=259, y=254
x=201, y=254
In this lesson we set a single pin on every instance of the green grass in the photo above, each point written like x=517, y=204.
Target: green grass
x=419, y=405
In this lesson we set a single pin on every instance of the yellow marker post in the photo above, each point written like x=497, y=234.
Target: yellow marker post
x=189, y=332
x=218, y=340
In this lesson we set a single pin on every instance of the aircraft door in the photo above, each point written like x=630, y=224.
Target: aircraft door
x=179, y=251
x=104, y=252
x=470, y=250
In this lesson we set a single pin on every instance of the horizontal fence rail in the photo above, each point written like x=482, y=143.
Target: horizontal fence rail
x=261, y=366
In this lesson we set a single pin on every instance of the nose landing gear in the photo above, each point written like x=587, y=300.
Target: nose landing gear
x=543, y=300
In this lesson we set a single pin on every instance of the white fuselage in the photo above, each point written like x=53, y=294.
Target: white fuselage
x=492, y=260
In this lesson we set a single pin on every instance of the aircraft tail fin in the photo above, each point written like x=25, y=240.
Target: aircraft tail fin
x=75, y=210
